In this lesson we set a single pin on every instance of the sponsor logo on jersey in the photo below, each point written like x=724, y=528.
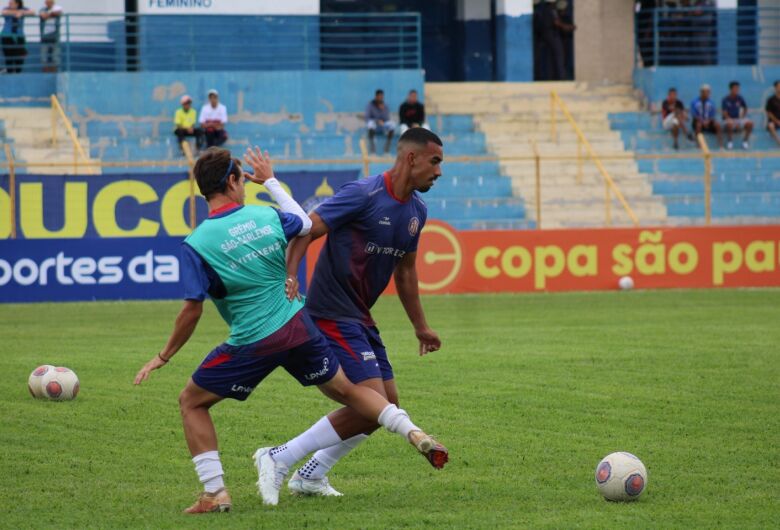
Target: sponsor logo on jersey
x=414, y=226
x=373, y=248
x=385, y=221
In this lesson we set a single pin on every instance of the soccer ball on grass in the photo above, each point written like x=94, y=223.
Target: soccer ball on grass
x=621, y=477
x=60, y=384
x=34, y=381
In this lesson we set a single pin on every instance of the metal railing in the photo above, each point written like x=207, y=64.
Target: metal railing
x=132, y=42
x=538, y=160
x=58, y=115
x=684, y=36
x=582, y=142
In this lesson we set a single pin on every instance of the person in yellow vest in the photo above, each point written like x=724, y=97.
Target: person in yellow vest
x=185, y=120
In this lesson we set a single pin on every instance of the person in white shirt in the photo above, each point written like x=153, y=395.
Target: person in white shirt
x=50, y=15
x=213, y=117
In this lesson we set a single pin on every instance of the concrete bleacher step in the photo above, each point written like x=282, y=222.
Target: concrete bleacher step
x=516, y=117
x=29, y=130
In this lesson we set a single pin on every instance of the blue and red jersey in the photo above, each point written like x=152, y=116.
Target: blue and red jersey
x=370, y=231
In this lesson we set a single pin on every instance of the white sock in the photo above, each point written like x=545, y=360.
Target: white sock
x=320, y=435
x=209, y=470
x=324, y=459
x=397, y=420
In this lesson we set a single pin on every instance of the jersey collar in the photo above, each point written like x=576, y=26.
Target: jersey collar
x=389, y=188
x=223, y=209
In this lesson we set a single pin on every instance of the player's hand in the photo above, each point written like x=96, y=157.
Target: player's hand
x=429, y=340
x=143, y=373
x=260, y=163
x=291, y=286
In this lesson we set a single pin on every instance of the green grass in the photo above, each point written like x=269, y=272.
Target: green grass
x=528, y=393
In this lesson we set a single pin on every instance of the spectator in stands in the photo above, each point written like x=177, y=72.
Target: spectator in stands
x=773, y=113
x=703, y=112
x=566, y=29
x=547, y=32
x=50, y=15
x=735, y=118
x=185, y=121
x=411, y=114
x=213, y=118
x=12, y=36
x=673, y=116
x=378, y=121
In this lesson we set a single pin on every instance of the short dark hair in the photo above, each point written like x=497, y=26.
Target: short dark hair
x=420, y=136
x=672, y=89
x=213, y=169
x=776, y=83
x=412, y=91
x=379, y=91
x=733, y=84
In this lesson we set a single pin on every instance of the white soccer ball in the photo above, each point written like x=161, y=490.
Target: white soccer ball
x=626, y=283
x=60, y=384
x=621, y=477
x=34, y=381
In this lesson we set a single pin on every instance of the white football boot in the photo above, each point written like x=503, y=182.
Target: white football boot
x=306, y=486
x=271, y=475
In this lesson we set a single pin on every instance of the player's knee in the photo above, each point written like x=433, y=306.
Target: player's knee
x=185, y=400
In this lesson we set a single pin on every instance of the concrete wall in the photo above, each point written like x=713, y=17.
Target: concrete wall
x=302, y=95
x=24, y=90
x=514, y=40
x=604, y=41
x=475, y=36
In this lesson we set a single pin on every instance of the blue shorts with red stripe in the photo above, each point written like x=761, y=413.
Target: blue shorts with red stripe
x=298, y=347
x=359, y=349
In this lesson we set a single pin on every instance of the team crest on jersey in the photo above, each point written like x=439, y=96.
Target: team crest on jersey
x=414, y=226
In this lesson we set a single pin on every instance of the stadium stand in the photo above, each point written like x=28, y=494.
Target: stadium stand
x=514, y=115
x=745, y=190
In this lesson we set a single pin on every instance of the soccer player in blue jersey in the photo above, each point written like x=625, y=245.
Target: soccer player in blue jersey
x=237, y=257
x=373, y=227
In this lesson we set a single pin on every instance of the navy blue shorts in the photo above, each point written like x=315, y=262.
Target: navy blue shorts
x=359, y=349
x=298, y=347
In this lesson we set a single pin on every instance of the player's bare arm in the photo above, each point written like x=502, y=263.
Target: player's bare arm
x=408, y=291
x=185, y=325
x=297, y=250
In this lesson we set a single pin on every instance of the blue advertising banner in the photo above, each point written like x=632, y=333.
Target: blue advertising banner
x=133, y=205
x=85, y=269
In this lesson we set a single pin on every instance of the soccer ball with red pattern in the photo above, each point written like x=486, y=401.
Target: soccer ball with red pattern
x=60, y=384
x=34, y=381
x=621, y=477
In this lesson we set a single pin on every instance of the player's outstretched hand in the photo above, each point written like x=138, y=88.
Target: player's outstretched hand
x=260, y=163
x=143, y=373
x=291, y=286
x=429, y=341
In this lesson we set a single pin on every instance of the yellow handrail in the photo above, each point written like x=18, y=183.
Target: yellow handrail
x=364, y=156
x=78, y=150
x=555, y=100
x=185, y=146
x=537, y=184
x=707, y=178
x=11, y=188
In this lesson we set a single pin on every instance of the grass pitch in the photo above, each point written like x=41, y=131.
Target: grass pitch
x=528, y=393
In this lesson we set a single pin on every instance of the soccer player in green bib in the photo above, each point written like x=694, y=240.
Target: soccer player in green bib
x=237, y=258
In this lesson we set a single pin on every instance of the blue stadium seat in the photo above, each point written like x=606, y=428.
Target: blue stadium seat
x=741, y=187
